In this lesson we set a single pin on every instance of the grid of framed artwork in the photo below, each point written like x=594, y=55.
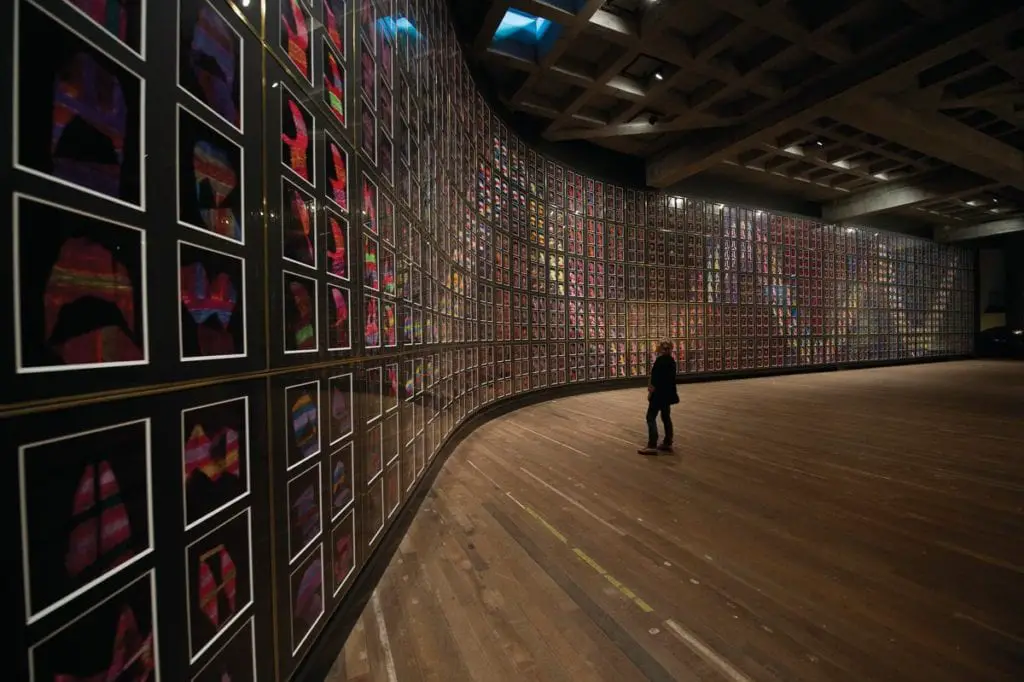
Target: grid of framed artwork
x=252, y=297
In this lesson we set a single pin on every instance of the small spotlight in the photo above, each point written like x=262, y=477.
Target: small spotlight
x=820, y=143
x=658, y=75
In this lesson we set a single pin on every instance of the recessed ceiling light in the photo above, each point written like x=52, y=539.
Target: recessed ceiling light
x=658, y=75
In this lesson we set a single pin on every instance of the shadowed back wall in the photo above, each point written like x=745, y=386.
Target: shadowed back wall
x=266, y=257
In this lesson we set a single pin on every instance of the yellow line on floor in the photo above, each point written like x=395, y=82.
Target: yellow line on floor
x=551, y=529
x=625, y=591
x=585, y=558
x=711, y=656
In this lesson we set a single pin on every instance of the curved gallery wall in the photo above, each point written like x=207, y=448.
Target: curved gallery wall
x=263, y=266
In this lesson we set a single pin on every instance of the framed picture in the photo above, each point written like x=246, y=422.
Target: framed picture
x=212, y=315
x=387, y=219
x=386, y=159
x=337, y=174
x=368, y=24
x=371, y=322
x=339, y=322
x=124, y=624
x=390, y=437
x=305, y=522
x=62, y=130
x=300, y=299
x=298, y=130
x=388, y=274
x=335, y=84
x=211, y=194
x=387, y=62
x=392, y=488
x=375, y=509
x=408, y=464
x=387, y=111
x=408, y=386
x=371, y=265
x=298, y=225
x=406, y=101
x=368, y=76
x=126, y=21
x=373, y=456
x=342, y=472
x=218, y=570
x=210, y=60
x=235, y=660
x=390, y=388
x=374, y=393
x=335, y=13
x=389, y=324
x=417, y=326
x=86, y=511
x=79, y=290
x=336, y=244
x=306, y=597
x=341, y=424
x=369, y=205
x=368, y=134
x=215, y=458
x=296, y=37
x=343, y=551
x=302, y=428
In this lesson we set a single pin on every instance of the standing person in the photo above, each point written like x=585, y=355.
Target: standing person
x=661, y=396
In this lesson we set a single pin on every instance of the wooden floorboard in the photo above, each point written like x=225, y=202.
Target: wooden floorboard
x=850, y=526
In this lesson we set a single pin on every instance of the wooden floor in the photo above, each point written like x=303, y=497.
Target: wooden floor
x=863, y=525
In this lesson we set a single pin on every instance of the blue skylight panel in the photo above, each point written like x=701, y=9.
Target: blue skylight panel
x=521, y=27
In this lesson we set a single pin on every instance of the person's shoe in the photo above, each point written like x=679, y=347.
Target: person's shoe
x=665, y=447
x=649, y=450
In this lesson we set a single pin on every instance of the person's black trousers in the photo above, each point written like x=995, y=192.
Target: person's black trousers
x=653, y=410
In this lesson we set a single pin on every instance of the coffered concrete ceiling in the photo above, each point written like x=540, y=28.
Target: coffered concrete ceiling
x=913, y=108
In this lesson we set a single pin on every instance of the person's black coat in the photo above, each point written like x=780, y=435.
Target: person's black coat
x=663, y=380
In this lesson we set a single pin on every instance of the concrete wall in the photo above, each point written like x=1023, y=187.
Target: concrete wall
x=992, y=288
x=1014, y=264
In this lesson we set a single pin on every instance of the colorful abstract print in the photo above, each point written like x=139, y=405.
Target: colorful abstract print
x=90, y=117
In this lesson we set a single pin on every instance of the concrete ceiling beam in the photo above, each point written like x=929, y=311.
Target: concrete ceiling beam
x=934, y=134
x=895, y=195
x=933, y=42
x=490, y=24
x=949, y=235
